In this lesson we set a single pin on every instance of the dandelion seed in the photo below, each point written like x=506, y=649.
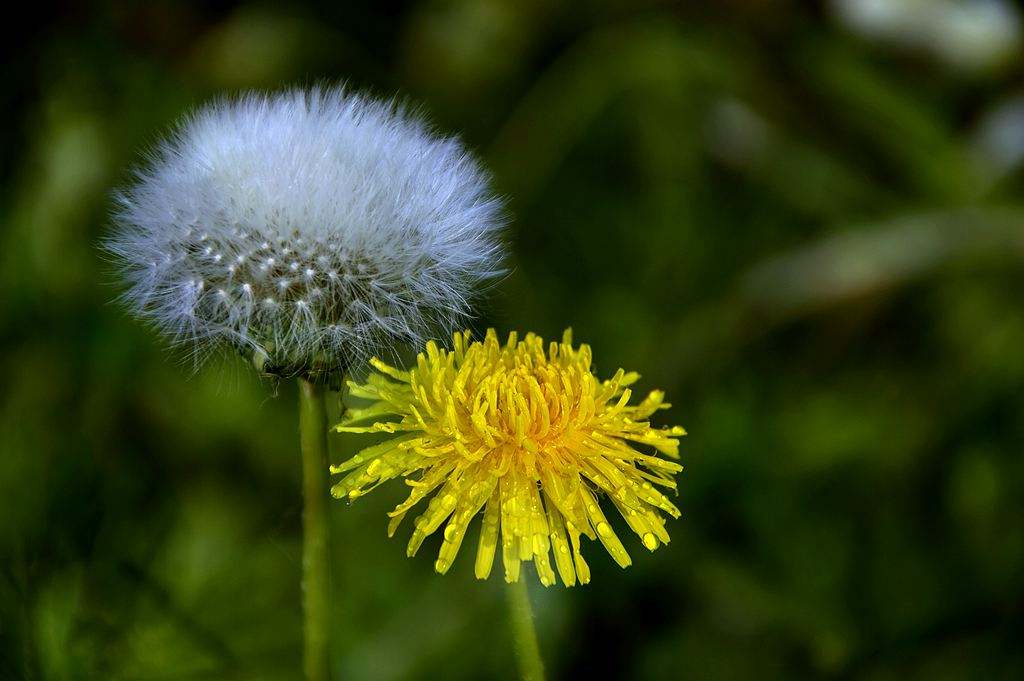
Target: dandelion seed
x=532, y=438
x=310, y=180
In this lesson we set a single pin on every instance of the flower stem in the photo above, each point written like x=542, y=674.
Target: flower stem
x=524, y=635
x=316, y=578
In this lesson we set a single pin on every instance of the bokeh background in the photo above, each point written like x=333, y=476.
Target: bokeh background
x=804, y=220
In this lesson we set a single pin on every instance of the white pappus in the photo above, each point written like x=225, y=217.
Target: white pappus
x=310, y=228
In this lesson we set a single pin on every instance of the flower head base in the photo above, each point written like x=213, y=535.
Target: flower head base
x=306, y=228
x=531, y=437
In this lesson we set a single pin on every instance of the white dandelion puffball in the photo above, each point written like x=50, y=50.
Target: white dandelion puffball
x=308, y=229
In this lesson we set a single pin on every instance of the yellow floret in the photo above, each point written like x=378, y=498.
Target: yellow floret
x=530, y=437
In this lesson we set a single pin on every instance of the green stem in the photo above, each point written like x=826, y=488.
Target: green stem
x=524, y=635
x=316, y=578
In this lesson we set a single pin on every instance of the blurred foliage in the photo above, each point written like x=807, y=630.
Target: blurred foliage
x=805, y=221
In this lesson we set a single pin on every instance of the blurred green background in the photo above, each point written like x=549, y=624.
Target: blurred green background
x=804, y=220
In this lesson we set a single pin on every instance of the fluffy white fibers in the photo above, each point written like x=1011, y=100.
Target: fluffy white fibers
x=310, y=227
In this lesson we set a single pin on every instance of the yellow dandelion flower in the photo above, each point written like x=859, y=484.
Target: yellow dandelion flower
x=532, y=438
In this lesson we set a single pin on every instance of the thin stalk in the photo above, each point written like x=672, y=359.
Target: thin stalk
x=524, y=635
x=316, y=577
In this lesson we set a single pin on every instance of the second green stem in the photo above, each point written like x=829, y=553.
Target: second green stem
x=524, y=635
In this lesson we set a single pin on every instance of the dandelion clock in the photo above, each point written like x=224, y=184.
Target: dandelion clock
x=308, y=230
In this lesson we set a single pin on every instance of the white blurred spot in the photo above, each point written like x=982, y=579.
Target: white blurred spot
x=971, y=35
x=999, y=138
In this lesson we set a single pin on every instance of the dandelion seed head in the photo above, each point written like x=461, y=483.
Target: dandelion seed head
x=525, y=433
x=321, y=190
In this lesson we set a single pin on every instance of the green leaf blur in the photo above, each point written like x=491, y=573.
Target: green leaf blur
x=804, y=223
